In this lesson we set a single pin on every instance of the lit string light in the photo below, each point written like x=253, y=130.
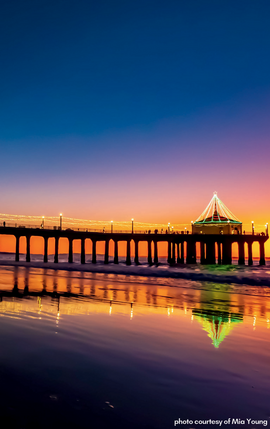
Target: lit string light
x=75, y=223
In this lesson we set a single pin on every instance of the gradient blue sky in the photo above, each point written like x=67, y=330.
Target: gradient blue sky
x=119, y=109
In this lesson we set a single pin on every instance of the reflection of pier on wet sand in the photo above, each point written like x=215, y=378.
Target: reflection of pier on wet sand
x=41, y=293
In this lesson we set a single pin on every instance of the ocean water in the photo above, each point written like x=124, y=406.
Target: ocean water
x=98, y=350
x=251, y=275
x=63, y=257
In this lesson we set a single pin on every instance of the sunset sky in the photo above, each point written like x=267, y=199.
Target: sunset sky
x=121, y=109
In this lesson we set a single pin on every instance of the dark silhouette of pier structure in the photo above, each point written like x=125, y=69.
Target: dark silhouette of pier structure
x=181, y=247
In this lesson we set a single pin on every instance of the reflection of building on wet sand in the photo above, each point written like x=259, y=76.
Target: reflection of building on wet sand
x=217, y=324
x=219, y=312
x=40, y=293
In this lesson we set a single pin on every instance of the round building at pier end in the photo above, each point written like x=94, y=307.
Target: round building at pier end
x=217, y=219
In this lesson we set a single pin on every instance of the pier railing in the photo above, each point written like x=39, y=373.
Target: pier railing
x=102, y=230
x=105, y=230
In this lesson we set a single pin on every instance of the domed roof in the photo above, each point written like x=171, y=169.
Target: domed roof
x=216, y=212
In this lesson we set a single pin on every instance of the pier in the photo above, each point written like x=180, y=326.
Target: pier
x=182, y=247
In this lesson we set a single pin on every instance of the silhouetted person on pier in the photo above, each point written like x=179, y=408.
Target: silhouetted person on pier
x=244, y=232
x=4, y=223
